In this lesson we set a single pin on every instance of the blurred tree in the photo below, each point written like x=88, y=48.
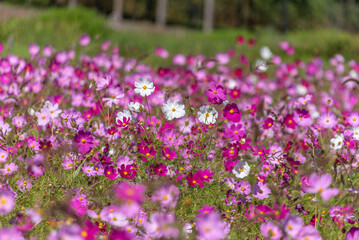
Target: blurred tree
x=161, y=13
x=208, y=15
x=117, y=11
x=72, y=3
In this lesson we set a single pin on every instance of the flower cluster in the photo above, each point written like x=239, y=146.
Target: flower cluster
x=219, y=147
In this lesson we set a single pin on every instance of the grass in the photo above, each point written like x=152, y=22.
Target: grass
x=62, y=27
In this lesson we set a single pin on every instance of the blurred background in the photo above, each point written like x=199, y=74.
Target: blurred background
x=314, y=27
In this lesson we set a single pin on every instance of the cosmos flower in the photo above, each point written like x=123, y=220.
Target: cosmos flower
x=205, y=210
x=7, y=202
x=210, y=226
x=216, y=93
x=161, y=226
x=135, y=106
x=292, y=224
x=320, y=184
x=84, y=40
x=261, y=190
x=114, y=99
x=123, y=119
x=83, y=141
x=173, y=109
x=232, y=113
x=207, y=115
x=10, y=233
x=337, y=142
x=353, y=119
x=241, y=169
x=167, y=196
x=327, y=120
x=270, y=231
x=43, y=117
x=144, y=87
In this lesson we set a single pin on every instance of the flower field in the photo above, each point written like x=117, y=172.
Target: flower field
x=230, y=146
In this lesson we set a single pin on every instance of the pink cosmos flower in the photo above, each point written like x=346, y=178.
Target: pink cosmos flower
x=114, y=99
x=271, y=231
x=161, y=226
x=34, y=49
x=320, y=184
x=9, y=168
x=261, y=190
x=7, y=202
x=84, y=40
x=124, y=191
x=292, y=224
x=103, y=82
x=210, y=226
x=161, y=52
x=353, y=119
x=179, y=59
x=88, y=170
x=43, y=117
x=327, y=120
x=167, y=196
x=3, y=155
x=10, y=233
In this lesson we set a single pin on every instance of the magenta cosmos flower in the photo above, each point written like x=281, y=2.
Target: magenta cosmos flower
x=232, y=113
x=205, y=210
x=216, y=94
x=353, y=234
x=84, y=141
x=320, y=184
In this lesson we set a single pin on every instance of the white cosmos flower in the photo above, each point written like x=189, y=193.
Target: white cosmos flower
x=241, y=169
x=207, y=115
x=355, y=131
x=337, y=142
x=173, y=109
x=121, y=117
x=266, y=53
x=135, y=106
x=144, y=87
x=117, y=219
x=261, y=65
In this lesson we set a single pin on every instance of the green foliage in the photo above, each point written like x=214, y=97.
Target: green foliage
x=62, y=27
